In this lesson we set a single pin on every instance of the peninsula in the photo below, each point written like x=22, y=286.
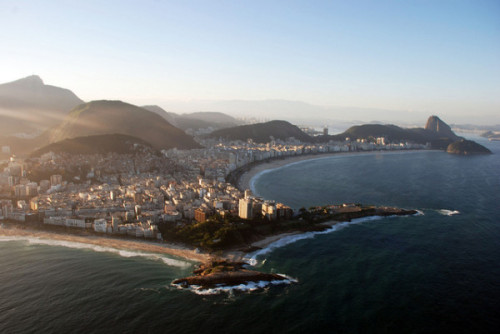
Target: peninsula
x=227, y=273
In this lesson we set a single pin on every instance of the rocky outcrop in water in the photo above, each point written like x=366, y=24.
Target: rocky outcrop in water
x=467, y=147
x=225, y=273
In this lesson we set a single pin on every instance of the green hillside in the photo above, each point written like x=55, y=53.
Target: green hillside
x=100, y=144
x=110, y=117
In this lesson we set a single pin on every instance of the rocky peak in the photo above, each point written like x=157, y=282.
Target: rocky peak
x=435, y=124
x=31, y=81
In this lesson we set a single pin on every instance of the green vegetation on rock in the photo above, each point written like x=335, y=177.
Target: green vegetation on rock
x=466, y=147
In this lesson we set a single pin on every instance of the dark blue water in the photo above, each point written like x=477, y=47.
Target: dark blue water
x=435, y=273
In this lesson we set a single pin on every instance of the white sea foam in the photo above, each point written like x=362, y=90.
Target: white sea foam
x=101, y=249
x=246, y=287
x=446, y=212
x=252, y=257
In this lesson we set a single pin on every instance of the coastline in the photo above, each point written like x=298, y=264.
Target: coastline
x=244, y=180
x=126, y=245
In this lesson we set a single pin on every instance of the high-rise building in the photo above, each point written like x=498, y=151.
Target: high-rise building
x=245, y=208
x=269, y=210
x=20, y=190
x=13, y=180
x=55, y=180
x=32, y=189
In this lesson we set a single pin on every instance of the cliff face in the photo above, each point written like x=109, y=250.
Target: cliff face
x=437, y=126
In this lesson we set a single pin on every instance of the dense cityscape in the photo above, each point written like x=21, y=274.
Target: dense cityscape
x=129, y=194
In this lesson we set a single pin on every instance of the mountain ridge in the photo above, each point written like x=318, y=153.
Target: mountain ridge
x=262, y=132
x=195, y=120
x=29, y=105
x=108, y=117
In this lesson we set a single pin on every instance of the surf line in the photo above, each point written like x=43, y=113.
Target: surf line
x=251, y=258
x=96, y=248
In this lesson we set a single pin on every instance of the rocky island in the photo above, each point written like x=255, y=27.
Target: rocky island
x=217, y=273
x=467, y=147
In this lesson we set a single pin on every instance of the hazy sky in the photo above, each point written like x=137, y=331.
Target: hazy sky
x=439, y=57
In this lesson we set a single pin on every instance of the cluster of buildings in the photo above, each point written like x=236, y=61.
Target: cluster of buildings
x=251, y=207
x=131, y=194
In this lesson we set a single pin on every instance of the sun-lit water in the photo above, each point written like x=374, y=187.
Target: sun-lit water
x=437, y=272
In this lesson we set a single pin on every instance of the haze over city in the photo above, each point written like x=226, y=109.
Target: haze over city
x=387, y=60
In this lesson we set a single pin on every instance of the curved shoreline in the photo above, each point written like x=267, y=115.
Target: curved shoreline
x=247, y=179
x=180, y=251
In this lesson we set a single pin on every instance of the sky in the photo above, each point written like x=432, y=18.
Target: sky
x=435, y=57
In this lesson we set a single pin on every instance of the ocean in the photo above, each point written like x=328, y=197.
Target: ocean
x=437, y=272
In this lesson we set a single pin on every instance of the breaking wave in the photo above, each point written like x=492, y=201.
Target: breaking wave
x=419, y=213
x=446, y=212
x=100, y=249
x=252, y=257
x=247, y=287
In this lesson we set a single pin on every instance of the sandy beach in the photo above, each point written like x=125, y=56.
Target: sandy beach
x=130, y=245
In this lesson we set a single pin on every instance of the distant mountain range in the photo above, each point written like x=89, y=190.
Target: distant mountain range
x=110, y=117
x=491, y=135
x=303, y=113
x=28, y=105
x=436, y=132
x=99, y=144
x=197, y=120
x=39, y=114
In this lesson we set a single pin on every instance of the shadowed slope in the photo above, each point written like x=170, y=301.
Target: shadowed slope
x=109, y=117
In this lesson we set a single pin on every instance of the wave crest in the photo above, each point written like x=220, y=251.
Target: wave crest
x=247, y=287
x=252, y=257
x=96, y=248
x=446, y=212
